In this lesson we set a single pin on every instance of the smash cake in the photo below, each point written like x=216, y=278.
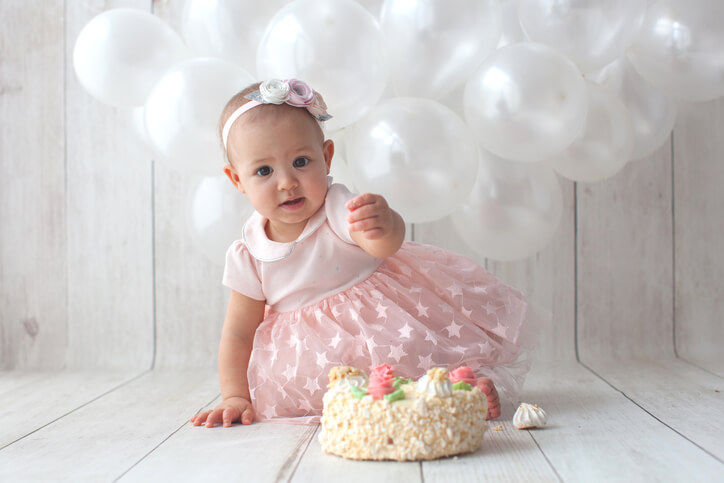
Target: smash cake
x=385, y=417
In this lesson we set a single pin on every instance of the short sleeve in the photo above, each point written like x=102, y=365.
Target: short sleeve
x=337, y=197
x=240, y=272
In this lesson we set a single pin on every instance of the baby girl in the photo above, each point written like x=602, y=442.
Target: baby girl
x=322, y=277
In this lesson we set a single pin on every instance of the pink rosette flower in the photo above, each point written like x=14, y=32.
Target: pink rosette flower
x=381, y=382
x=300, y=94
x=464, y=374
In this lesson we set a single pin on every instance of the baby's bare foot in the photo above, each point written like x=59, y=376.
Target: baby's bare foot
x=486, y=385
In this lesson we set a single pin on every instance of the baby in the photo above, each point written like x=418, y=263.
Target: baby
x=322, y=277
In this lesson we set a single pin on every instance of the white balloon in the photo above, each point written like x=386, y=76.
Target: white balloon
x=511, y=30
x=591, y=33
x=652, y=112
x=334, y=45
x=228, y=29
x=216, y=212
x=513, y=210
x=527, y=102
x=680, y=48
x=415, y=152
x=182, y=113
x=120, y=54
x=435, y=46
x=606, y=143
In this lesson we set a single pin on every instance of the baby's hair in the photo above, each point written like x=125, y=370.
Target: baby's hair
x=238, y=100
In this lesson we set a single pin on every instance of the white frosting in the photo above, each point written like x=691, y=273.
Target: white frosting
x=434, y=388
x=529, y=416
x=356, y=381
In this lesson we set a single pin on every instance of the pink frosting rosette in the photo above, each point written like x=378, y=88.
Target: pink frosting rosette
x=464, y=374
x=300, y=94
x=381, y=382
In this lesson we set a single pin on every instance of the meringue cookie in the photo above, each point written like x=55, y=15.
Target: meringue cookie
x=529, y=416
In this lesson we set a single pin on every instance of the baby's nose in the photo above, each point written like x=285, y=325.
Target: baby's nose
x=286, y=180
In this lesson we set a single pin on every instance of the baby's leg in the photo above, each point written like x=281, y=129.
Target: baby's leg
x=486, y=385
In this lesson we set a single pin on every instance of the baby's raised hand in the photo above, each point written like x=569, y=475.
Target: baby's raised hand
x=229, y=411
x=370, y=215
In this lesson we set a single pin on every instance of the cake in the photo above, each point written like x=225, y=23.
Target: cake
x=385, y=417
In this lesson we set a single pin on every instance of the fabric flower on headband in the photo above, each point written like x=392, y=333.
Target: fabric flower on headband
x=294, y=92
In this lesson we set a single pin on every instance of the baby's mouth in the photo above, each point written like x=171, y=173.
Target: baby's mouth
x=294, y=202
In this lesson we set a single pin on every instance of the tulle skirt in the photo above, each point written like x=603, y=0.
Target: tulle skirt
x=423, y=307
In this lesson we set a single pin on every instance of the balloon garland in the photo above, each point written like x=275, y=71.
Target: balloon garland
x=548, y=87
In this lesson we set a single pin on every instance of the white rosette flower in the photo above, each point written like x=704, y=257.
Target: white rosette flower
x=274, y=91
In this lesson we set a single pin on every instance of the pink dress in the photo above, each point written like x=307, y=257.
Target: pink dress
x=329, y=303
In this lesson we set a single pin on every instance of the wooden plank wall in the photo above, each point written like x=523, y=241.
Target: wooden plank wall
x=97, y=269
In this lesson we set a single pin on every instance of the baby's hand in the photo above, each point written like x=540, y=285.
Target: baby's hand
x=229, y=411
x=370, y=214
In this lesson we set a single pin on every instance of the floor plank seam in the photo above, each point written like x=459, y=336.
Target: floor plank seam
x=652, y=415
x=100, y=396
x=163, y=441
x=299, y=459
x=545, y=456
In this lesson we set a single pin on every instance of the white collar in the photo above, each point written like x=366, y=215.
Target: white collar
x=265, y=250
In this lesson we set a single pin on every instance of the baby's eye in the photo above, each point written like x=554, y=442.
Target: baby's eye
x=264, y=171
x=301, y=162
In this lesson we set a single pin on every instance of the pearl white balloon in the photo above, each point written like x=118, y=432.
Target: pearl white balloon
x=334, y=45
x=591, y=33
x=680, y=48
x=228, y=29
x=527, y=102
x=182, y=113
x=216, y=212
x=120, y=54
x=415, y=152
x=652, y=112
x=513, y=210
x=606, y=143
x=511, y=31
x=435, y=46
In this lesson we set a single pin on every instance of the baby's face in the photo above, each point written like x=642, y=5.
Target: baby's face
x=282, y=162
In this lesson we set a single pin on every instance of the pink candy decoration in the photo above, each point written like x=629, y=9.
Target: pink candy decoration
x=464, y=374
x=381, y=380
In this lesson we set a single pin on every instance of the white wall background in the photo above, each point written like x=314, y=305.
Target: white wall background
x=97, y=269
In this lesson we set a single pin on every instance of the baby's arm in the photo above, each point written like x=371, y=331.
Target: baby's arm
x=243, y=316
x=374, y=226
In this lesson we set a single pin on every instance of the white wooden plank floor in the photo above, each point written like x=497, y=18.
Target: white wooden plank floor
x=643, y=421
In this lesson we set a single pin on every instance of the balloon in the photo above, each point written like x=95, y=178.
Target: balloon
x=435, y=46
x=228, y=29
x=511, y=31
x=591, y=33
x=652, y=112
x=216, y=213
x=120, y=54
x=606, y=143
x=680, y=48
x=513, y=210
x=415, y=152
x=527, y=102
x=182, y=113
x=334, y=45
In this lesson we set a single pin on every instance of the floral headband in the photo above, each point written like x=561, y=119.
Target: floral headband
x=275, y=91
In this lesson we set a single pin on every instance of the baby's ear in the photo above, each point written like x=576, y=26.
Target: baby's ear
x=328, y=149
x=233, y=176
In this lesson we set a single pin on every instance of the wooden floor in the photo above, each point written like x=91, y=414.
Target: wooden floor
x=644, y=421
